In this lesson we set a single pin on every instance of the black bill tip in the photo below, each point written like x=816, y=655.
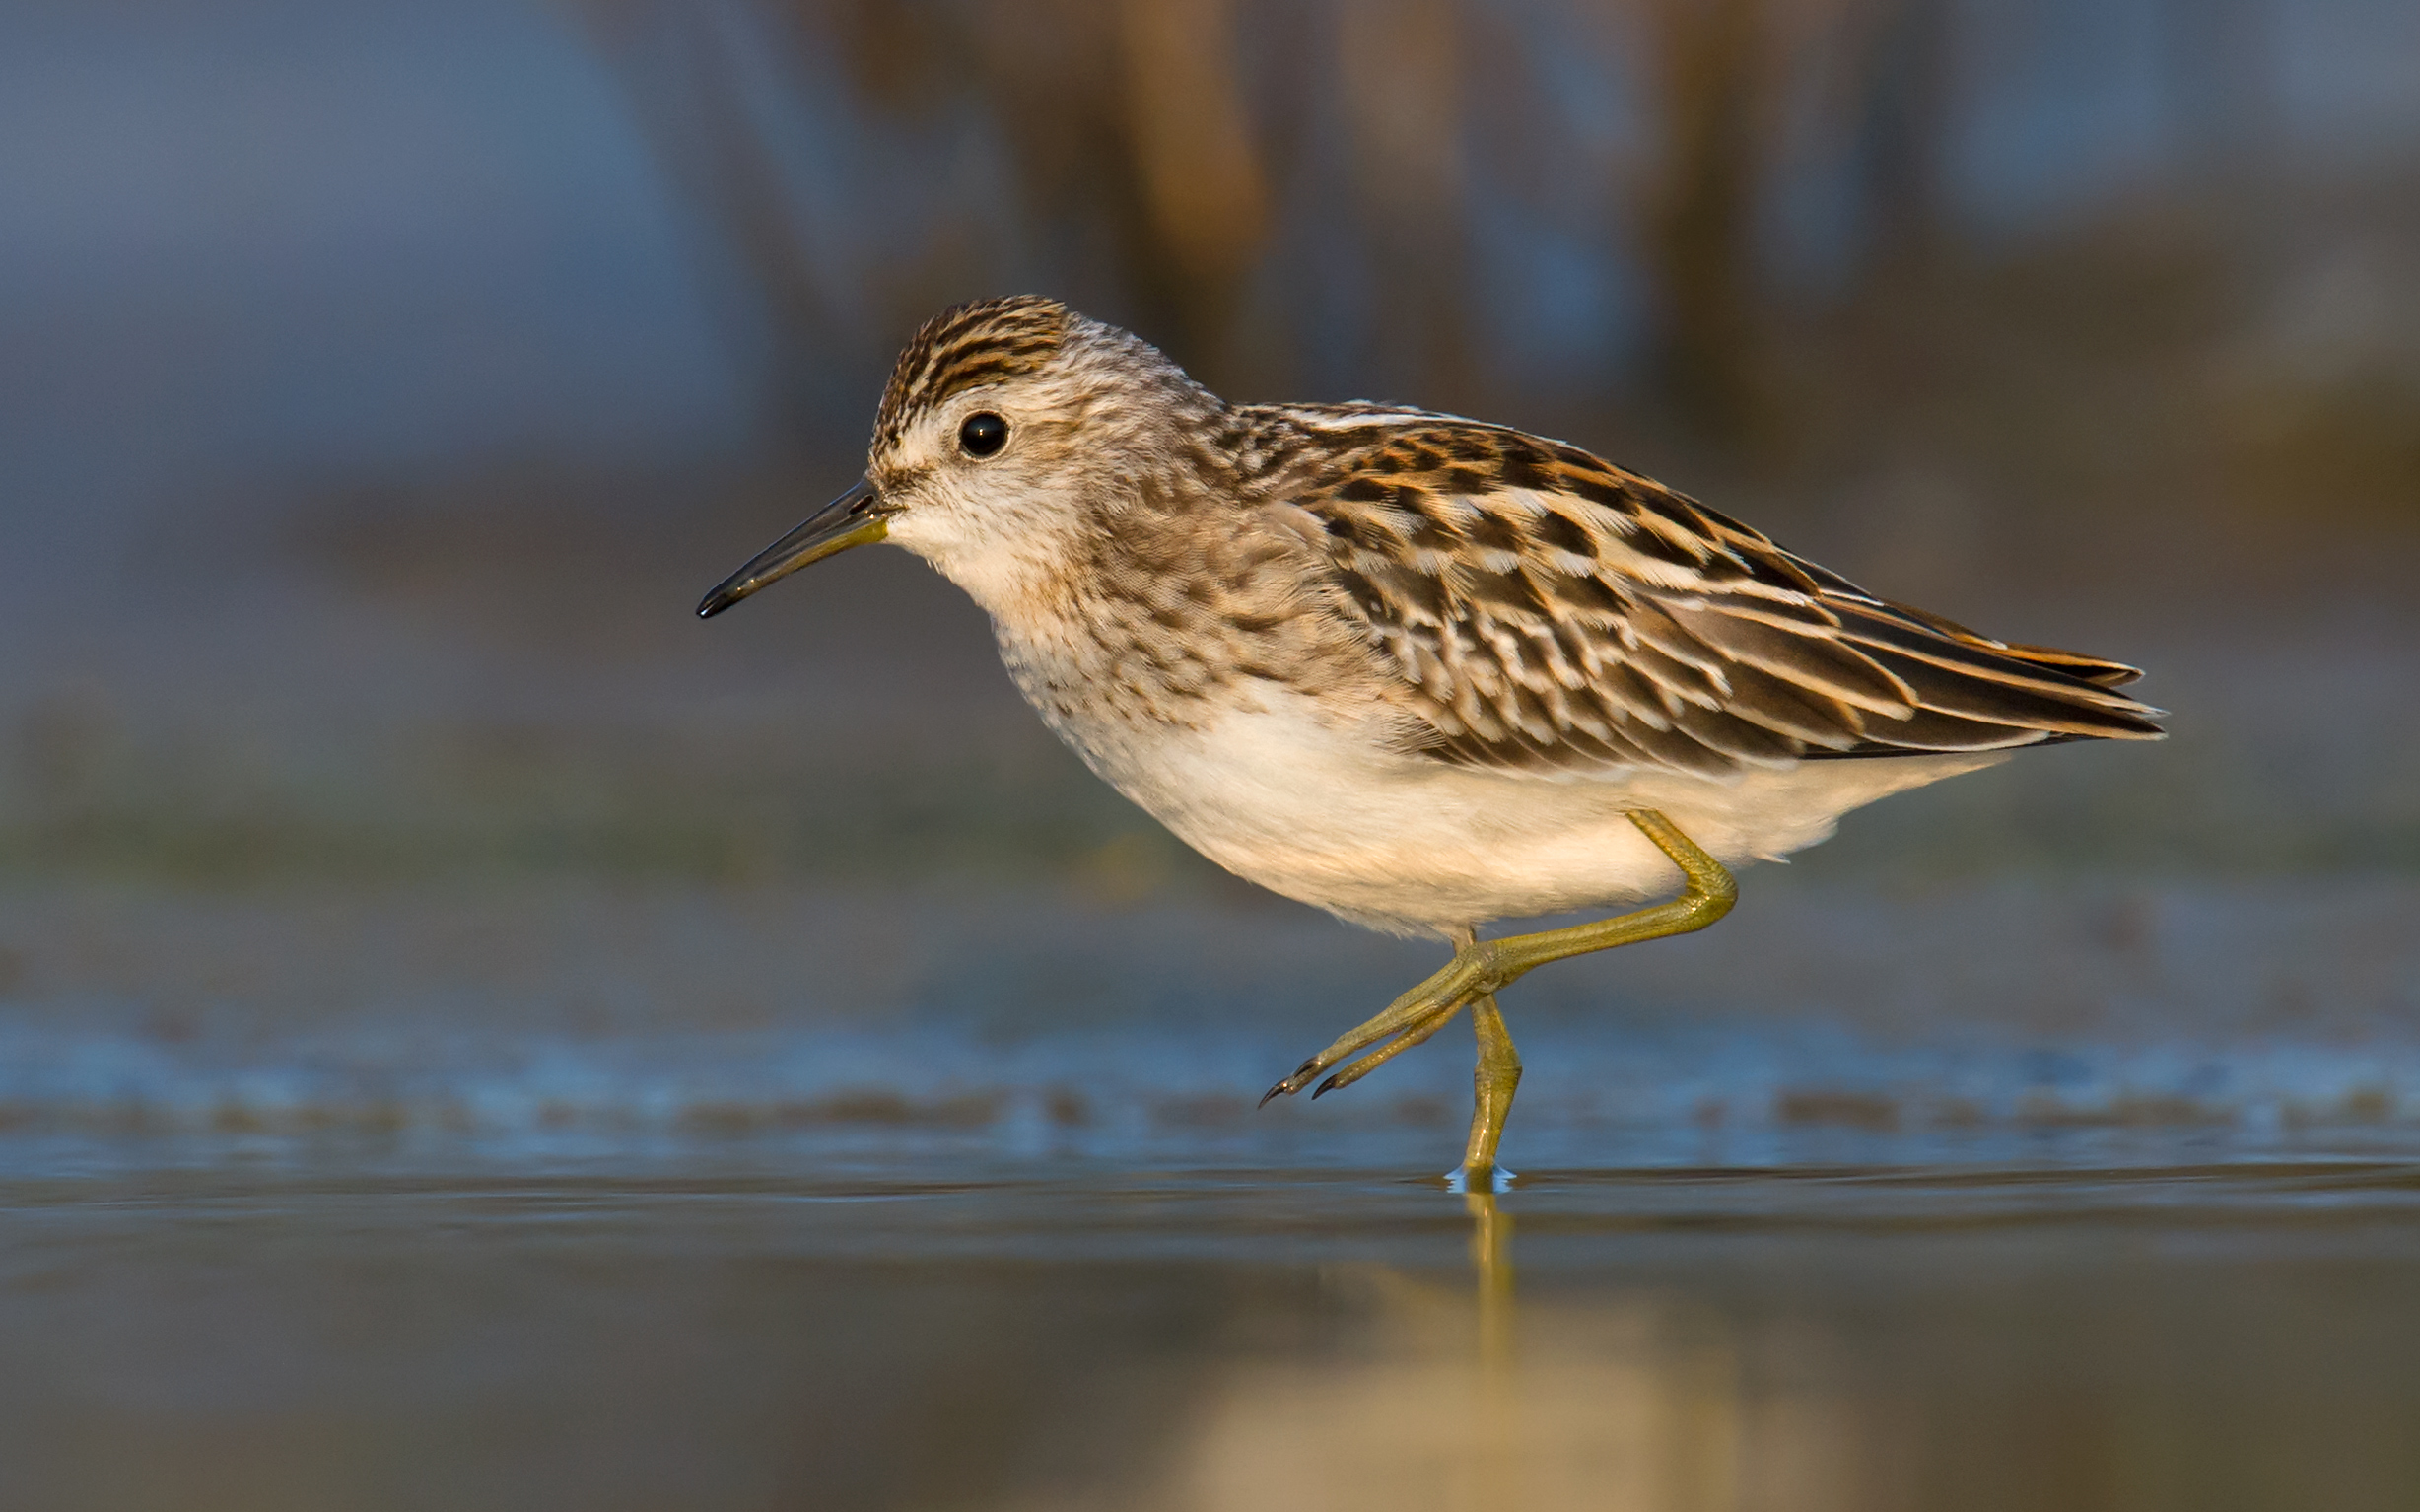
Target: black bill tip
x=855, y=519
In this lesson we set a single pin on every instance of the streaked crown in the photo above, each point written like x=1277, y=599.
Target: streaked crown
x=964, y=347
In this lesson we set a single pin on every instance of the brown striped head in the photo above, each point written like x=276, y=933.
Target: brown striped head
x=1012, y=433
x=942, y=416
x=1013, y=428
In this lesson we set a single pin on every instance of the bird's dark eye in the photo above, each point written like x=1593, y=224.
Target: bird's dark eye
x=983, y=433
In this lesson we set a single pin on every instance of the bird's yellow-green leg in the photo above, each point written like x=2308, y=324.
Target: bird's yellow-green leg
x=1481, y=969
x=1493, y=1083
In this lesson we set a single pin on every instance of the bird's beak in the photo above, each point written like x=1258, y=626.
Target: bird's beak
x=856, y=518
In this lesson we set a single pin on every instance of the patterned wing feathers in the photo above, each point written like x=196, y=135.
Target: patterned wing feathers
x=1550, y=613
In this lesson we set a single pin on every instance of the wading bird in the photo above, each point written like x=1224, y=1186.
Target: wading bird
x=1421, y=671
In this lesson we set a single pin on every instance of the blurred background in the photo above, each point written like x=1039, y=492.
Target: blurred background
x=380, y=387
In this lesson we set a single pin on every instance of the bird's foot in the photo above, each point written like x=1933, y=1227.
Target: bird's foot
x=1469, y=1181
x=1477, y=971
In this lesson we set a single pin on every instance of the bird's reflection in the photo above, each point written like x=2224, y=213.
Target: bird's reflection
x=1440, y=1393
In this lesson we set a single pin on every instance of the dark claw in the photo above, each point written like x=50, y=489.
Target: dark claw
x=1326, y=1088
x=1292, y=1084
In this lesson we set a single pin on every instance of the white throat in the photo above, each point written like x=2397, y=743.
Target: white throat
x=1004, y=572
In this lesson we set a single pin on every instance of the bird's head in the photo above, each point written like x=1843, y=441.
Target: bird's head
x=1011, y=430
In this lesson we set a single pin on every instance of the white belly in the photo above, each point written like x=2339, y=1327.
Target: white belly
x=1413, y=846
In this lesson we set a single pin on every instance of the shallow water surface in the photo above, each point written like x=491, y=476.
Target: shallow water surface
x=612, y=1199
x=1073, y=1334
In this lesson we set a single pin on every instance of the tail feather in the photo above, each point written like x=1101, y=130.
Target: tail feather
x=2098, y=671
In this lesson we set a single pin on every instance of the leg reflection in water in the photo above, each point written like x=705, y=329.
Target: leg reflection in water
x=1496, y=1441
x=1491, y=1262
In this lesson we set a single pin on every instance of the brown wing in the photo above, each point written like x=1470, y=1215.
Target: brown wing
x=1551, y=613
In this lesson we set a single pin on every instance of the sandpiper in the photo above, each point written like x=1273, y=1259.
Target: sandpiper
x=1421, y=671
